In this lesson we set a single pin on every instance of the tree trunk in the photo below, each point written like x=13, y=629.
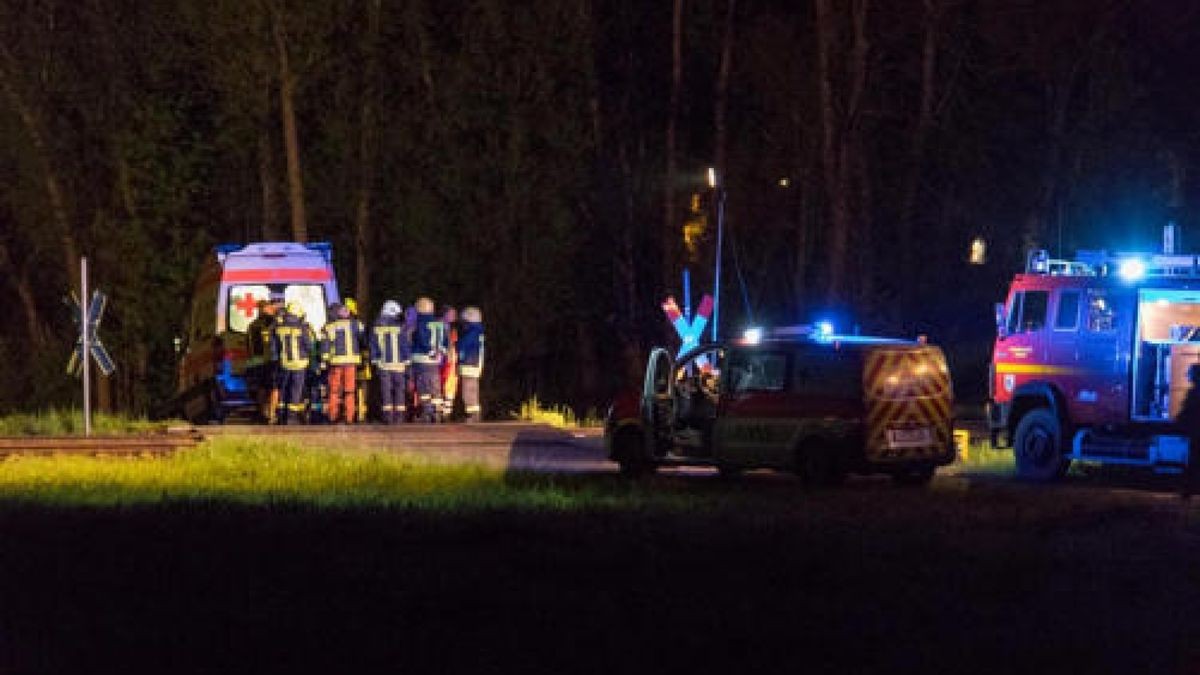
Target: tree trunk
x=60, y=214
x=367, y=157
x=291, y=143
x=670, y=235
x=721, y=97
x=920, y=138
x=837, y=204
x=266, y=181
x=20, y=279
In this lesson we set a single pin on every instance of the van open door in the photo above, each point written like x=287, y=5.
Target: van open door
x=658, y=399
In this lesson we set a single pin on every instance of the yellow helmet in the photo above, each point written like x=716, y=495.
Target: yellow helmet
x=351, y=304
x=295, y=309
x=424, y=306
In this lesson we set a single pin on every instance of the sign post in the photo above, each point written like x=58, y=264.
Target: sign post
x=87, y=344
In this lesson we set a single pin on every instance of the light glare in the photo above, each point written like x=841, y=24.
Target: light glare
x=1132, y=269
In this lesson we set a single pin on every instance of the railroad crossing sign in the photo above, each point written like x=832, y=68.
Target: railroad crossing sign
x=689, y=331
x=95, y=312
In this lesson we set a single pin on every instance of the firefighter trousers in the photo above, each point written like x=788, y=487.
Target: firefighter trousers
x=391, y=395
x=341, y=393
x=291, y=394
x=470, y=396
x=429, y=387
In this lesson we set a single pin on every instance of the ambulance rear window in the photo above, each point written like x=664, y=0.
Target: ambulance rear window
x=244, y=299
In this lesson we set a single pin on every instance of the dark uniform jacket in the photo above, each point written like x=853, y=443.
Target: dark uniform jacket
x=292, y=343
x=470, y=350
x=429, y=339
x=390, y=348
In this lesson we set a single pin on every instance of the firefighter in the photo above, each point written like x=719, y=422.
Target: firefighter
x=470, y=362
x=448, y=374
x=260, y=365
x=1188, y=423
x=390, y=356
x=427, y=345
x=362, y=374
x=340, y=353
x=291, y=346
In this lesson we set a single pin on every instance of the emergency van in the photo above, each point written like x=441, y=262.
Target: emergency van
x=807, y=401
x=230, y=285
x=1091, y=358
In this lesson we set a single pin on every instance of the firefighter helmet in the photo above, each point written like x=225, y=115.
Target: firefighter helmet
x=295, y=310
x=424, y=306
x=472, y=315
x=391, y=309
x=351, y=305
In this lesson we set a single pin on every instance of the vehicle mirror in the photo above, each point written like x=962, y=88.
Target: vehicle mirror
x=1000, y=329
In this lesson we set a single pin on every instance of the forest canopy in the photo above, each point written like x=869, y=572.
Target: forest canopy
x=546, y=160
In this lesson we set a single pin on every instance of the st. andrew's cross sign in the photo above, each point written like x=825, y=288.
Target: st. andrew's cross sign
x=96, y=350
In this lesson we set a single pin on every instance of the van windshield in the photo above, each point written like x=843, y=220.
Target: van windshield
x=244, y=299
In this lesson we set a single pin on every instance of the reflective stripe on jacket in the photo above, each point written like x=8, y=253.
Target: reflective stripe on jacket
x=429, y=340
x=341, y=344
x=389, y=346
x=292, y=344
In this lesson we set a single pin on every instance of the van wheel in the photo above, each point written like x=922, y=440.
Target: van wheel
x=630, y=455
x=1038, y=447
x=819, y=465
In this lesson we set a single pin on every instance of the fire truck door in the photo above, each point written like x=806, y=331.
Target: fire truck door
x=1021, y=355
x=1106, y=319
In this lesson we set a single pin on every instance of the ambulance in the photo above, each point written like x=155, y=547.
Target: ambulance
x=1091, y=360
x=215, y=348
x=801, y=399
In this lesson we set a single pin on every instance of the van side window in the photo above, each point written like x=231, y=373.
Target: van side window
x=828, y=373
x=751, y=371
x=1100, y=317
x=1067, y=316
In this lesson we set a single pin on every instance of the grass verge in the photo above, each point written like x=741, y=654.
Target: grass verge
x=68, y=421
x=251, y=471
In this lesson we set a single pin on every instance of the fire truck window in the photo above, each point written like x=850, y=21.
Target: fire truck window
x=1014, y=313
x=1100, y=313
x=1067, y=317
x=1033, y=311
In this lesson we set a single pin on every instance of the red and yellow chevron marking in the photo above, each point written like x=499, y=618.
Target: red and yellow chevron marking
x=906, y=388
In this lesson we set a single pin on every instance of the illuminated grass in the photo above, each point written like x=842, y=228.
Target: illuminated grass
x=67, y=421
x=982, y=457
x=559, y=416
x=243, y=471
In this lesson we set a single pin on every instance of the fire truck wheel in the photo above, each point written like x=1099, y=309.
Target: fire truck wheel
x=1037, y=447
x=630, y=455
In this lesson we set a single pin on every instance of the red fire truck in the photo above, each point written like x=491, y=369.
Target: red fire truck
x=1091, y=359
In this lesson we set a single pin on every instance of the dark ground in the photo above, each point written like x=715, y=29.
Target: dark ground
x=968, y=576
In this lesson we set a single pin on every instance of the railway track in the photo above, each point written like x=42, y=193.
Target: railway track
x=143, y=445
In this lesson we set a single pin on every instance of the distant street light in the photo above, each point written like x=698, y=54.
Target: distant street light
x=978, y=254
x=712, y=177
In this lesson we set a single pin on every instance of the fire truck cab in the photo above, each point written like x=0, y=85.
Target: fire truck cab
x=818, y=404
x=1091, y=358
x=232, y=281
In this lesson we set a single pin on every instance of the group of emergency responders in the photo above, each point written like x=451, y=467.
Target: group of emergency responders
x=421, y=360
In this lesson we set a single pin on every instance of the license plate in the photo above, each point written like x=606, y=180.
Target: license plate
x=910, y=438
